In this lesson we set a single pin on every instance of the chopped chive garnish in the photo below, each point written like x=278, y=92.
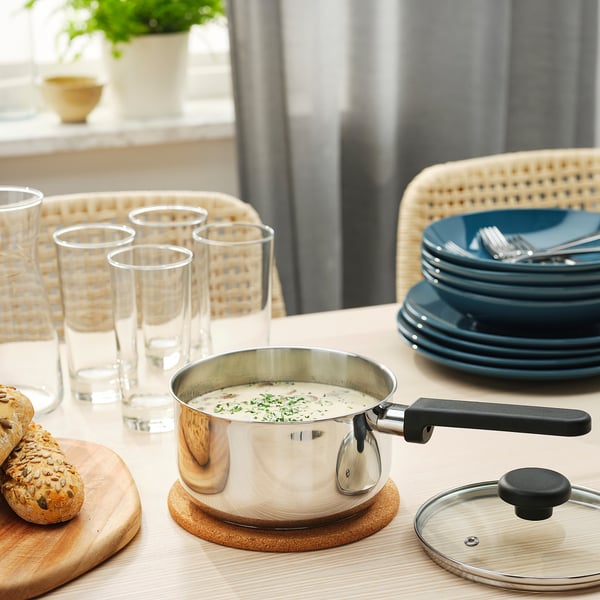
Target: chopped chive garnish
x=283, y=402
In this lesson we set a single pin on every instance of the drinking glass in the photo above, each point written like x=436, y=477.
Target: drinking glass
x=167, y=223
x=237, y=261
x=85, y=284
x=151, y=300
x=174, y=224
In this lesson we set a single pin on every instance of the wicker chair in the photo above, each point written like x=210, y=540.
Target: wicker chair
x=69, y=209
x=567, y=178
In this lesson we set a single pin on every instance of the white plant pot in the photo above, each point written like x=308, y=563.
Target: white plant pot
x=148, y=80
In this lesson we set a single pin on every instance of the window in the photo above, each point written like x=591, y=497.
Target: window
x=29, y=46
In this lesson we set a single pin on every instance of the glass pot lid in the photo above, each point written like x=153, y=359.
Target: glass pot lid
x=530, y=530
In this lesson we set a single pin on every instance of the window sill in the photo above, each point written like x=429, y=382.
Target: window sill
x=206, y=119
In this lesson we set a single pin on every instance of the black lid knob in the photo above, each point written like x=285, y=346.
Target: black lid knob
x=534, y=492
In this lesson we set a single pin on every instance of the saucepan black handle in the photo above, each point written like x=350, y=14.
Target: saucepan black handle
x=416, y=422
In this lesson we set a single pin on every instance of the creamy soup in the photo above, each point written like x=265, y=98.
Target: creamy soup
x=283, y=402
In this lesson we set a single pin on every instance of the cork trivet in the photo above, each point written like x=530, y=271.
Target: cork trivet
x=193, y=519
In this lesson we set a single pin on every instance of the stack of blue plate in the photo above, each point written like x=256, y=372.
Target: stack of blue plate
x=526, y=320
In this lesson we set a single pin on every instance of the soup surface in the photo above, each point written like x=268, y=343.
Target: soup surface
x=283, y=401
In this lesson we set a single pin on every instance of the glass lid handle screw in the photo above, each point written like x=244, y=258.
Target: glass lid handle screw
x=534, y=492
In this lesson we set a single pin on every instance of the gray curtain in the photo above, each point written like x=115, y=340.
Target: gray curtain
x=339, y=103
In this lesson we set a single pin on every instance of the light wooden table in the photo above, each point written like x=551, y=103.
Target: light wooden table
x=164, y=561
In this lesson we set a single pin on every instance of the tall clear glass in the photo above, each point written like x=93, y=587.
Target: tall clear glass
x=85, y=285
x=151, y=299
x=237, y=260
x=29, y=348
x=174, y=224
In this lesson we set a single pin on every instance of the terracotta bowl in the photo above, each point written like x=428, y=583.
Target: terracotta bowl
x=72, y=97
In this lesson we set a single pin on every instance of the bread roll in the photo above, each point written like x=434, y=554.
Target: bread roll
x=37, y=481
x=16, y=412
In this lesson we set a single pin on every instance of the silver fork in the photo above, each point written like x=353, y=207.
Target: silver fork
x=497, y=245
x=520, y=243
x=517, y=249
x=456, y=249
x=526, y=250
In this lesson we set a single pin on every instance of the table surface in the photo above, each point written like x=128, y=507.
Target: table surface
x=165, y=561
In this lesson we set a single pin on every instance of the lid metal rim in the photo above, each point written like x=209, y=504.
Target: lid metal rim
x=512, y=582
x=498, y=579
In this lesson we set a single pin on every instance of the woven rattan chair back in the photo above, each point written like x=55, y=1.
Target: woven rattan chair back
x=114, y=207
x=566, y=178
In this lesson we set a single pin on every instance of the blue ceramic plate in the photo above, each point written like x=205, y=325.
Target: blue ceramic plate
x=507, y=290
x=542, y=227
x=516, y=311
x=506, y=373
x=422, y=340
x=446, y=340
x=568, y=278
x=424, y=303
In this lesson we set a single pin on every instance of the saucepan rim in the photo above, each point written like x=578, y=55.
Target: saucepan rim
x=178, y=380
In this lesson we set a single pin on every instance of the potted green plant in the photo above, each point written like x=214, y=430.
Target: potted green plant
x=145, y=47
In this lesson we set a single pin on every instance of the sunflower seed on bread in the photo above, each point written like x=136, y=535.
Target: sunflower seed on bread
x=16, y=412
x=37, y=481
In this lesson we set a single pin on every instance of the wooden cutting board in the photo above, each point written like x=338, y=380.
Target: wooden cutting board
x=37, y=558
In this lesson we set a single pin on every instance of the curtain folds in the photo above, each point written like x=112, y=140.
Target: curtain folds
x=339, y=103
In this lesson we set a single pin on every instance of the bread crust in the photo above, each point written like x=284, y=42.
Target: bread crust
x=37, y=481
x=16, y=412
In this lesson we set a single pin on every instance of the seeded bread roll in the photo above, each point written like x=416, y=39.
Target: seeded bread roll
x=37, y=481
x=16, y=412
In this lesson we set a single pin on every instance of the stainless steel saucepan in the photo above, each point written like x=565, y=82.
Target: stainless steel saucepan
x=299, y=474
